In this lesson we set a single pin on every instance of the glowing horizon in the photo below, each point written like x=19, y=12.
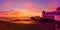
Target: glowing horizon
x=26, y=7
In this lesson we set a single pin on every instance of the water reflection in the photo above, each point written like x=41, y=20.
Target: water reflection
x=19, y=20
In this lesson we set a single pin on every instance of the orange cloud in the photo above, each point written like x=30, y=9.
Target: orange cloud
x=28, y=9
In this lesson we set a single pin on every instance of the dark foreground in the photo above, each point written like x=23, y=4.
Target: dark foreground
x=11, y=26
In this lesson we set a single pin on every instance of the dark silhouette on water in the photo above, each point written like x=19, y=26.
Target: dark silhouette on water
x=58, y=22
x=43, y=19
x=58, y=8
x=47, y=20
x=33, y=18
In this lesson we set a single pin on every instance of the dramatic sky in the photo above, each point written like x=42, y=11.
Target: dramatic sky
x=27, y=7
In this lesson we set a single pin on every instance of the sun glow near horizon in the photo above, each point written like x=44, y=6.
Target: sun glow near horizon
x=21, y=13
x=22, y=8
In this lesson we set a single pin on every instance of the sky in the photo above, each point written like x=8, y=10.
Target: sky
x=27, y=7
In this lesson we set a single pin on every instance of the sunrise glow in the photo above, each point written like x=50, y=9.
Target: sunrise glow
x=26, y=8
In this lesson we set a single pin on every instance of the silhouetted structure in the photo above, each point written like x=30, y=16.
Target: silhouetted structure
x=32, y=18
x=37, y=18
x=42, y=19
x=46, y=20
x=45, y=23
x=48, y=14
x=51, y=15
x=58, y=8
